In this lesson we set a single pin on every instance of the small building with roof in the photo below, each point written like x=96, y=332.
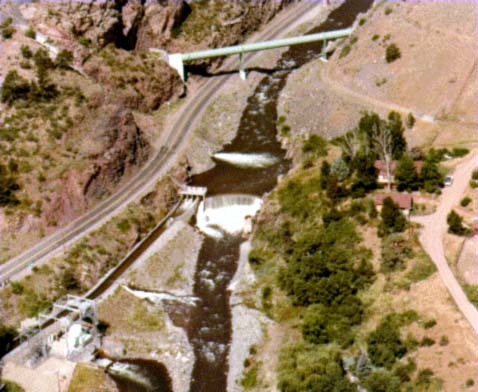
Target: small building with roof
x=404, y=200
x=382, y=170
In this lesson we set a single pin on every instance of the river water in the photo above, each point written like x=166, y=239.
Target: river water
x=250, y=164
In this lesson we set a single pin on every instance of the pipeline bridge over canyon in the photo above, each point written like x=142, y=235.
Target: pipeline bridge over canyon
x=177, y=60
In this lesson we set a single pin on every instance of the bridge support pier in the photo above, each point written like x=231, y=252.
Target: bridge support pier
x=176, y=61
x=242, y=71
x=323, y=54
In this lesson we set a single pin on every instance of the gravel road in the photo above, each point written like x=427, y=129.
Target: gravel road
x=435, y=227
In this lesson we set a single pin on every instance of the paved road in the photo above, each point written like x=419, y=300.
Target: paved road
x=152, y=171
x=435, y=227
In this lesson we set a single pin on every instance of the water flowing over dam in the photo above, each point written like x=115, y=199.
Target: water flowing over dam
x=246, y=160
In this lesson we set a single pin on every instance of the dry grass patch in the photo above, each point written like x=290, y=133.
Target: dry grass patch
x=453, y=245
x=87, y=378
x=127, y=314
x=467, y=265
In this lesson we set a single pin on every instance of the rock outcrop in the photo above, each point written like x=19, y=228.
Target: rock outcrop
x=139, y=82
x=124, y=149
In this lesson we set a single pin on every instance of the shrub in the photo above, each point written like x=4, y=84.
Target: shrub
x=64, y=59
x=469, y=383
x=459, y=152
x=473, y=184
x=444, y=340
x=474, y=174
x=388, y=10
x=17, y=288
x=84, y=41
x=471, y=291
x=375, y=37
x=42, y=60
x=123, y=226
x=14, y=87
x=26, y=52
x=424, y=377
x=455, y=224
x=429, y=324
x=410, y=121
x=250, y=378
x=8, y=32
x=30, y=33
x=345, y=51
x=392, y=53
x=6, y=23
x=465, y=201
x=427, y=342
x=362, y=21
x=315, y=145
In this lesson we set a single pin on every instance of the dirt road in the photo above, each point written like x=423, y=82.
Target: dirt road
x=434, y=228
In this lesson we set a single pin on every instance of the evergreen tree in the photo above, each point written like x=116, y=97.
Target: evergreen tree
x=430, y=176
x=324, y=174
x=399, y=144
x=365, y=175
x=393, y=220
x=406, y=174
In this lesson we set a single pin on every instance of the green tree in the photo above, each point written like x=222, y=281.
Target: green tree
x=382, y=381
x=455, y=224
x=393, y=220
x=430, y=175
x=399, y=143
x=384, y=139
x=384, y=343
x=365, y=175
x=406, y=174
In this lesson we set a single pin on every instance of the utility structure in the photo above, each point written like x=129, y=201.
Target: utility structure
x=36, y=342
x=176, y=60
